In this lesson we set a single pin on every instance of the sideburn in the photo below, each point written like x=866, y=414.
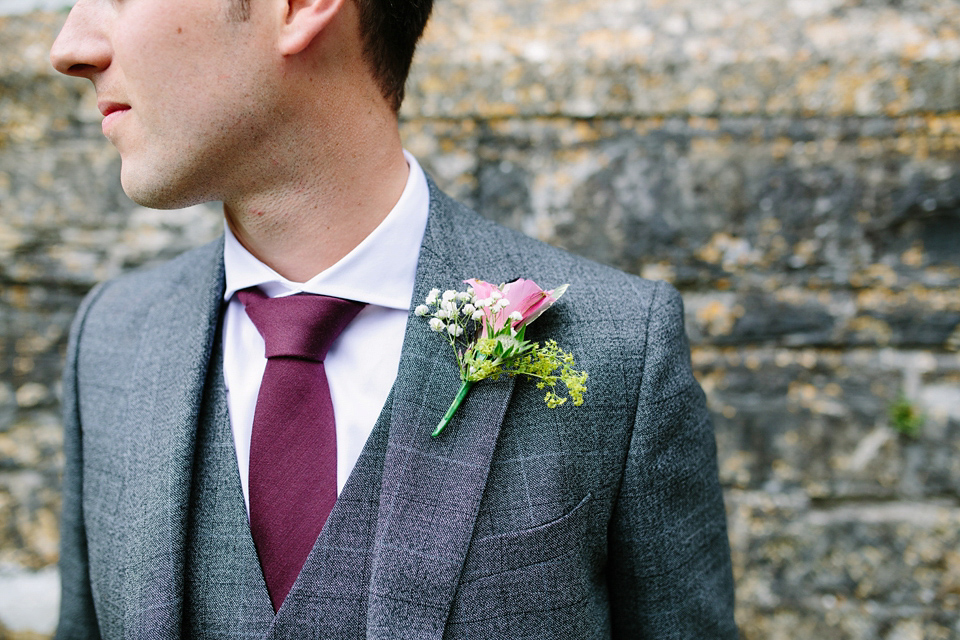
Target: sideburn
x=239, y=10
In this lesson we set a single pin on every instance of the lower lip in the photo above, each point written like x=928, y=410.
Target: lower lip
x=111, y=118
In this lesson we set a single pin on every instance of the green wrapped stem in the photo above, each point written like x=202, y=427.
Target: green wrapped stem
x=461, y=394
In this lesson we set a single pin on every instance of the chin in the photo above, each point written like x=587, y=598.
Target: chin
x=160, y=194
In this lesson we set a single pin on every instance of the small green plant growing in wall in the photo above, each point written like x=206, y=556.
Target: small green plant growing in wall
x=905, y=417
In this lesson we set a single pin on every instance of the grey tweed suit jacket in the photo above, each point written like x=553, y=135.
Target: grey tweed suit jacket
x=604, y=520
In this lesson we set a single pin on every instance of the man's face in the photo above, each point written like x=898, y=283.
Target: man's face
x=185, y=90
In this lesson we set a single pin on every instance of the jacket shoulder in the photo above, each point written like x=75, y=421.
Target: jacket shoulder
x=591, y=282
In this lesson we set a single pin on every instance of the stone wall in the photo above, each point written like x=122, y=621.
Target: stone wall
x=793, y=166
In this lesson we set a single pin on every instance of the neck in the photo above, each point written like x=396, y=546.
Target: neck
x=327, y=165
x=312, y=214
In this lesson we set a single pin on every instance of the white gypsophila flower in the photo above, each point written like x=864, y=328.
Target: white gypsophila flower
x=422, y=310
x=516, y=316
x=477, y=315
x=432, y=296
x=463, y=296
x=448, y=305
x=471, y=291
x=437, y=324
x=468, y=309
x=484, y=302
x=455, y=331
x=449, y=295
x=496, y=294
x=500, y=304
x=443, y=314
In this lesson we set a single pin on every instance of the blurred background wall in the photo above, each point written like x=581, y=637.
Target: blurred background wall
x=793, y=166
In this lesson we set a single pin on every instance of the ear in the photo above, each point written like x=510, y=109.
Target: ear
x=304, y=21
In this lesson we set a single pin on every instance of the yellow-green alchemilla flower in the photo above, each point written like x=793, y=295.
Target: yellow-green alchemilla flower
x=486, y=324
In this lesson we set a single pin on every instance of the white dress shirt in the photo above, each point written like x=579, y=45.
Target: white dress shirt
x=362, y=363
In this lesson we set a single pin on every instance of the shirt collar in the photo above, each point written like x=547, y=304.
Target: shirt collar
x=379, y=271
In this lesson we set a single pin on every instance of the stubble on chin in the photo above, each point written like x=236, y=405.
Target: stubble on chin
x=156, y=189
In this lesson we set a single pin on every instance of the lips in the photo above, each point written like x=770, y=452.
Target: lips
x=107, y=107
x=111, y=111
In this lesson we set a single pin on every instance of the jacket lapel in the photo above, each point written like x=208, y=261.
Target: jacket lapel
x=431, y=488
x=164, y=411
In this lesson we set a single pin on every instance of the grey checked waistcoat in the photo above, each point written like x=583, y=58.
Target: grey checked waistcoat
x=225, y=593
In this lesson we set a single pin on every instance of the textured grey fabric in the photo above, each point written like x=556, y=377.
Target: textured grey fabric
x=225, y=596
x=604, y=520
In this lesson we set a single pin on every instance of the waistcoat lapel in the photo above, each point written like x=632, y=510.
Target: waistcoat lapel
x=431, y=488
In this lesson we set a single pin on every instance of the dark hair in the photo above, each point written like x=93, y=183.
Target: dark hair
x=389, y=30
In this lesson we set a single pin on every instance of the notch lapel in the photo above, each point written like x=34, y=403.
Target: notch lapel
x=174, y=354
x=431, y=488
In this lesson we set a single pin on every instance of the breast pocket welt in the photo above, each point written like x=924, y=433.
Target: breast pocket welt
x=543, y=568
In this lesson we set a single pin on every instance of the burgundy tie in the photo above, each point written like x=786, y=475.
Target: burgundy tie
x=293, y=450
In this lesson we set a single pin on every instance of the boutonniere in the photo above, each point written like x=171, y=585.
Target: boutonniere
x=486, y=324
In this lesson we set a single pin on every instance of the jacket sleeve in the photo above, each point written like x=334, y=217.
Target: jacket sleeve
x=669, y=568
x=77, y=615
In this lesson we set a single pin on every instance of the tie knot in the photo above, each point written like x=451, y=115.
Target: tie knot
x=298, y=326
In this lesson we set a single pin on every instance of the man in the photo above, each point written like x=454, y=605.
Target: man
x=191, y=510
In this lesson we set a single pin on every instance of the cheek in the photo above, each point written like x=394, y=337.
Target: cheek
x=160, y=52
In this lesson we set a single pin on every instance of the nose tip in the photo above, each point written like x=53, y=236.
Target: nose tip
x=59, y=57
x=80, y=49
x=67, y=64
